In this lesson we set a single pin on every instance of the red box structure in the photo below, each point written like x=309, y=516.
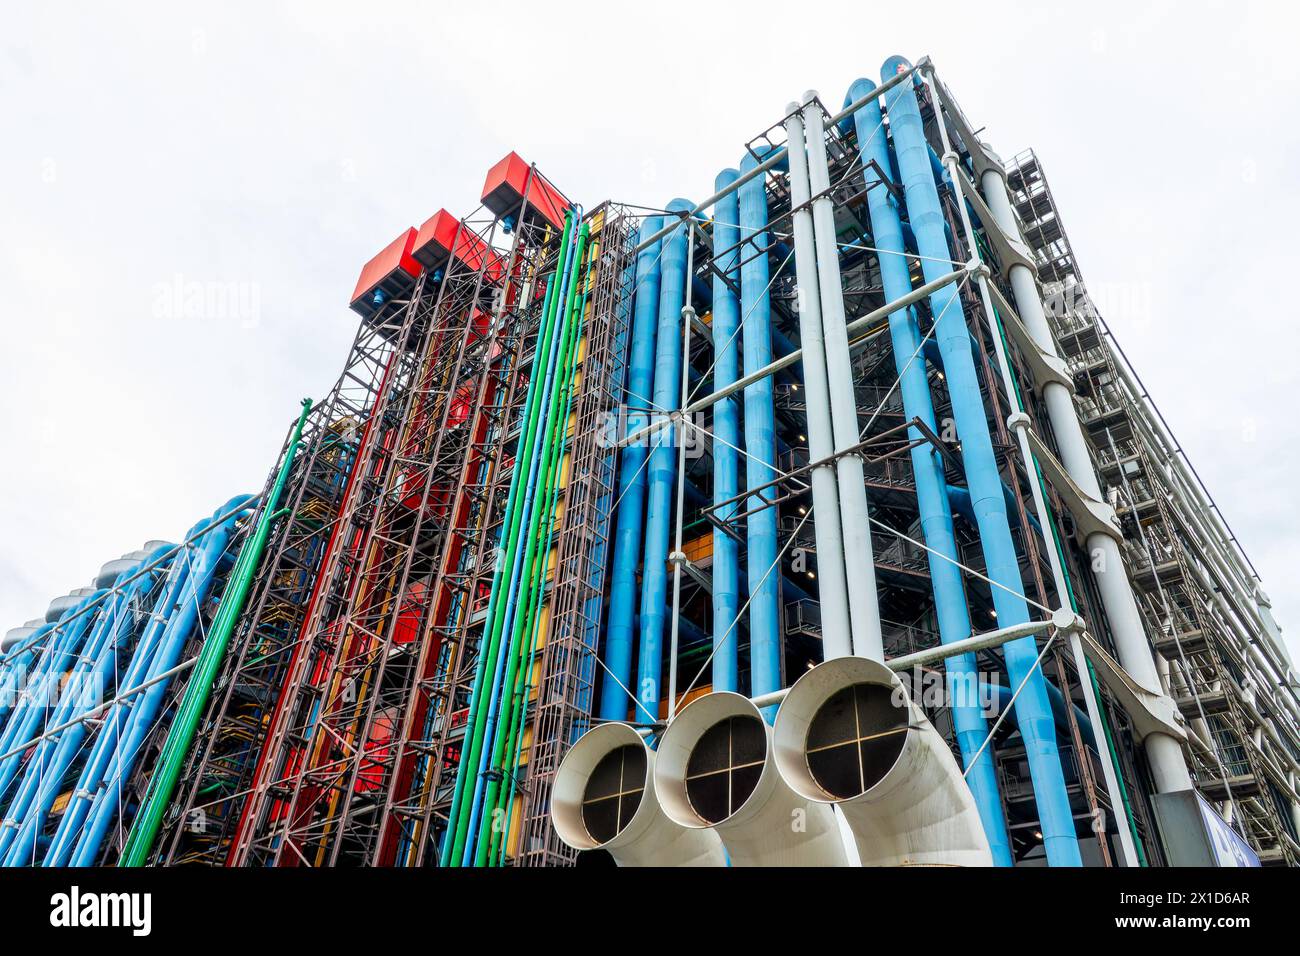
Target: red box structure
x=393, y=272
x=434, y=242
x=503, y=192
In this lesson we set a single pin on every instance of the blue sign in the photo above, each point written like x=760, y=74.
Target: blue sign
x=1227, y=845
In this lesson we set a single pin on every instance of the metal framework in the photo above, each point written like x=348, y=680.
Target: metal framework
x=324, y=762
x=335, y=729
x=1200, y=595
x=219, y=771
x=458, y=589
x=567, y=665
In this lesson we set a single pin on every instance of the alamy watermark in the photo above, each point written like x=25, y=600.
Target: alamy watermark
x=208, y=300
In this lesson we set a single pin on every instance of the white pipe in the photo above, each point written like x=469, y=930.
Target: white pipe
x=859, y=558
x=832, y=585
x=1061, y=619
x=772, y=826
x=649, y=838
x=916, y=809
x=1168, y=766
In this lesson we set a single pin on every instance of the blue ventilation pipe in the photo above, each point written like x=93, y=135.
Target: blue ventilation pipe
x=204, y=558
x=26, y=816
x=760, y=438
x=16, y=664
x=33, y=705
x=106, y=741
x=662, y=471
x=1033, y=712
x=36, y=650
x=56, y=706
x=726, y=431
x=927, y=467
x=607, y=524
x=631, y=484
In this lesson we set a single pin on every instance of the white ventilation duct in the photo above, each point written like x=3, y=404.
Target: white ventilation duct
x=604, y=799
x=848, y=734
x=714, y=771
x=16, y=635
x=60, y=605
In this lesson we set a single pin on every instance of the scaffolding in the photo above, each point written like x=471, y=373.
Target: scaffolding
x=217, y=774
x=1199, y=594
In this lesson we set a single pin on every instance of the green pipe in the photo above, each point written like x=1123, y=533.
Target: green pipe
x=517, y=702
x=527, y=607
x=491, y=645
x=522, y=693
x=498, y=576
x=144, y=830
x=458, y=820
x=1074, y=604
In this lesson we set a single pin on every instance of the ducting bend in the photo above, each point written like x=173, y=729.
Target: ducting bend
x=650, y=838
x=773, y=825
x=917, y=810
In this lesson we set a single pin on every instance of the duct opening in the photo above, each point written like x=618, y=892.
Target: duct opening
x=614, y=791
x=854, y=739
x=724, y=767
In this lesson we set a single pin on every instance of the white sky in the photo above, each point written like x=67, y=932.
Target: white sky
x=264, y=151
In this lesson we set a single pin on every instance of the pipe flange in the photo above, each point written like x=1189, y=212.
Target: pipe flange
x=1065, y=619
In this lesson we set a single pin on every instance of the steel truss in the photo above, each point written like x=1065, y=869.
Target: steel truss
x=326, y=764
x=218, y=772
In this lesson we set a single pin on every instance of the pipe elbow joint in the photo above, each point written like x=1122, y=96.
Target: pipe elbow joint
x=751, y=161
x=893, y=66
x=859, y=89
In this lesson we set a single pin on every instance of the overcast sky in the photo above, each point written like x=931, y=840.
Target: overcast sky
x=188, y=197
